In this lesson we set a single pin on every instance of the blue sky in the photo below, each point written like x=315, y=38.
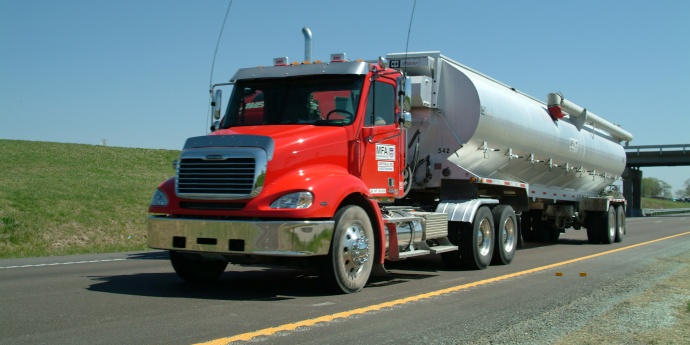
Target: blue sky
x=137, y=72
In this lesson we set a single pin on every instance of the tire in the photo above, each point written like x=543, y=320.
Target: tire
x=476, y=245
x=506, y=235
x=197, y=268
x=520, y=239
x=351, y=256
x=607, y=226
x=620, y=223
x=550, y=233
x=452, y=259
x=592, y=226
x=526, y=230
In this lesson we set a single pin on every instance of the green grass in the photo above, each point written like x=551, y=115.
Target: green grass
x=58, y=199
x=663, y=204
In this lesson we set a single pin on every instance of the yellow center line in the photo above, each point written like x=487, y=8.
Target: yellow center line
x=359, y=311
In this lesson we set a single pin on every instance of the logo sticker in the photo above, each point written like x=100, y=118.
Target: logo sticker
x=386, y=166
x=385, y=152
x=573, y=145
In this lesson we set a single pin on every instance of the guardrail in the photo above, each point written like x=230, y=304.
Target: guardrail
x=654, y=212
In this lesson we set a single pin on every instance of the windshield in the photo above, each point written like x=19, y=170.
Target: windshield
x=322, y=100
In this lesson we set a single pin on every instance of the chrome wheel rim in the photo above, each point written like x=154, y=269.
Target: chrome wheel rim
x=484, y=237
x=508, y=235
x=355, y=251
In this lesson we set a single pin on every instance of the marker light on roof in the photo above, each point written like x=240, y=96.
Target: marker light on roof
x=338, y=57
x=280, y=61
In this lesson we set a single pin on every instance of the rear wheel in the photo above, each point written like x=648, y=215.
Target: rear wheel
x=351, y=256
x=506, y=234
x=477, y=241
x=196, y=267
x=607, y=226
x=620, y=223
x=592, y=226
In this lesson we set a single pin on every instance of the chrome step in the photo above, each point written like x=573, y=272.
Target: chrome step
x=443, y=249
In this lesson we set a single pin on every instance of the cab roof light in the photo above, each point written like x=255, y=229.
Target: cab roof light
x=281, y=61
x=338, y=57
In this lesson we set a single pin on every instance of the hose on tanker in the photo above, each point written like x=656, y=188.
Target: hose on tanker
x=427, y=176
x=411, y=169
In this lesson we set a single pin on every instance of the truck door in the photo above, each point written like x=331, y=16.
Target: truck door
x=383, y=143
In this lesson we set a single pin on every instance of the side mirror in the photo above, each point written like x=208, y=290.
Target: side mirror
x=405, y=93
x=406, y=119
x=216, y=103
x=215, y=126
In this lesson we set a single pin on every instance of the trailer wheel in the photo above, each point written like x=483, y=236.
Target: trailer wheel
x=351, y=255
x=607, y=226
x=592, y=226
x=506, y=234
x=477, y=241
x=197, y=268
x=620, y=223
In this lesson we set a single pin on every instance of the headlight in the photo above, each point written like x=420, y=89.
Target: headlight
x=294, y=200
x=159, y=199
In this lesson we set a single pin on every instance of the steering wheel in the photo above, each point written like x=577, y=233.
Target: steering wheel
x=349, y=114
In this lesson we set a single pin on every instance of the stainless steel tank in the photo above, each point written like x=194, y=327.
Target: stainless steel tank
x=469, y=124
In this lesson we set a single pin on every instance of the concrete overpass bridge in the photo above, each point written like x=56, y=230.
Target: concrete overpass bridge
x=648, y=156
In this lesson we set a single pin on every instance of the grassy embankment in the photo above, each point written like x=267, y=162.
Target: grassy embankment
x=58, y=199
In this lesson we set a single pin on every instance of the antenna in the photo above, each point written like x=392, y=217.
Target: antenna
x=220, y=34
x=409, y=29
x=213, y=64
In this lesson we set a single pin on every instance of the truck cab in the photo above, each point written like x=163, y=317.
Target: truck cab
x=298, y=144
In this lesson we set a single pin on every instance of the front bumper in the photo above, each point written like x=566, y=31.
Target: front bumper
x=270, y=238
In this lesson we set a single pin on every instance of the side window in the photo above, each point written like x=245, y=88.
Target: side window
x=380, y=105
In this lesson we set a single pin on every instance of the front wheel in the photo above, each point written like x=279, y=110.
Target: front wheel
x=197, y=268
x=351, y=256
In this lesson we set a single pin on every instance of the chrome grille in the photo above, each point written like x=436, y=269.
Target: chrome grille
x=227, y=176
x=220, y=174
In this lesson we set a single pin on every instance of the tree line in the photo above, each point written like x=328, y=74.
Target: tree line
x=652, y=187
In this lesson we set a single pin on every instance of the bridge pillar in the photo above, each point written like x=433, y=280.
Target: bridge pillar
x=632, y=191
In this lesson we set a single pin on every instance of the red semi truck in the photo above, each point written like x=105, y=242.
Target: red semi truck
x=343, y=165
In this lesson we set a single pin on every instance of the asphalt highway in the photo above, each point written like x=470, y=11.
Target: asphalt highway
x=136, y=298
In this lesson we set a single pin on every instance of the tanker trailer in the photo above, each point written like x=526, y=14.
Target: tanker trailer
x=474, y=139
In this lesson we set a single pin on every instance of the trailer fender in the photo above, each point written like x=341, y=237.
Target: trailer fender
x=463, y=211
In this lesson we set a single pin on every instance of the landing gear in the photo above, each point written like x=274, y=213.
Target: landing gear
x=535, y=229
